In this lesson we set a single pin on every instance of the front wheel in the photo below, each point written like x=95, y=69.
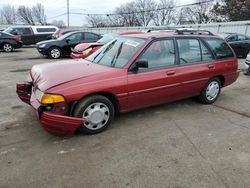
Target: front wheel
x=7, y=47
x=211, y=91
x=54, y=53
x=98, y=111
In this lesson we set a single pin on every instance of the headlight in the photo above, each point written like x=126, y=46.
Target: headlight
x=45, y=98
x=29, y=79
x=42, y=45
x=86, y=52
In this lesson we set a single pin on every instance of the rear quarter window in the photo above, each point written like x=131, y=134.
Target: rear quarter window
x=44, y=30
x=220, y=48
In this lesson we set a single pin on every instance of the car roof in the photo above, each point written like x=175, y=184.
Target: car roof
x=167, y=34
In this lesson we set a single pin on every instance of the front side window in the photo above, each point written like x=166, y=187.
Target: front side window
x=75, y=37
x=160, y=53
x=220, y=48
x=117, y=52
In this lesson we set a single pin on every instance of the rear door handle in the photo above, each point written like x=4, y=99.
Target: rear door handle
x=169, y=73
x=211, y=66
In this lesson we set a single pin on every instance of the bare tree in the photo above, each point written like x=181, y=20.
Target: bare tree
x=165, y=12
x=25, y=15
x=38, y=13
x=145, y=11
x=127, y=14
x=198, y=13
x=8, y=14
x=97, y=20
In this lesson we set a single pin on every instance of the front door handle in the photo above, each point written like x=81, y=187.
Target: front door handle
x=169, y=73
x=210, y=66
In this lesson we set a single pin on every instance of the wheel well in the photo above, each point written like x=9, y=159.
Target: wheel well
x=108, y=95
x=55, y=47
x=222, y=79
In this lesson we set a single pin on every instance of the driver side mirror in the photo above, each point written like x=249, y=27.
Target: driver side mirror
x=67, y=40
x=143, y=63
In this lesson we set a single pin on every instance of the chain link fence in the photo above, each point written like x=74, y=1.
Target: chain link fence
x=242, y=27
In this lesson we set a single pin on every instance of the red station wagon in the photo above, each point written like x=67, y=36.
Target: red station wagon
x=128, y=73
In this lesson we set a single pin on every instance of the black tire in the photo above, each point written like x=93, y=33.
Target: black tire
x=204, y=97
x=54, y=53
x=91, y=103
x=7, y=47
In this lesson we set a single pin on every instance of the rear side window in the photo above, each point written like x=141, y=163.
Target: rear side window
x=91, y=36
x=44, y=30
x=220, y=48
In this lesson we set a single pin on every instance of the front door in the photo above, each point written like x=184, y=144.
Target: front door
x=157, y=83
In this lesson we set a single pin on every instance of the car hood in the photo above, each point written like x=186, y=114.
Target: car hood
x=84, y=46
x=48, y=75
x=47, y=41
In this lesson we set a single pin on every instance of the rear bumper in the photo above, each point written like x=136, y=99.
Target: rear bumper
x=231, y=77
x=60, y=125
x=18, y=45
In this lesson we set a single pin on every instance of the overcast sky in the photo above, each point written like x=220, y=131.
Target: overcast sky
x=54, y=8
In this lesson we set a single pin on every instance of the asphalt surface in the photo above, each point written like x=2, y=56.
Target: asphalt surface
x=177, y=145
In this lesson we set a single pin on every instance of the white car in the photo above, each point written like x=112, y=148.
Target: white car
x=247, y=64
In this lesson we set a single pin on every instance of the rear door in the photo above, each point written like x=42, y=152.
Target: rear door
x=196, y=65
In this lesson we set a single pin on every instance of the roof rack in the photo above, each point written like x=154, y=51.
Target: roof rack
x=193, y=32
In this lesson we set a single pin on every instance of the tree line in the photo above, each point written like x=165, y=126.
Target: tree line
x=166, y=12
x=23, y=14
x=141, y=13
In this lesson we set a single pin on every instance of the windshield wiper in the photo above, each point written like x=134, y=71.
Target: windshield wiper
x=103, y=52
x=113, y=61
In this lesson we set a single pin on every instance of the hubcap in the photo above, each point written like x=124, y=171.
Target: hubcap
x=96, y=115
x=212, y=90
x=55, y=53
x=7, y=48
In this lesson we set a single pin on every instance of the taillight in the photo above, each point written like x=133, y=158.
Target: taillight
x=16, y=38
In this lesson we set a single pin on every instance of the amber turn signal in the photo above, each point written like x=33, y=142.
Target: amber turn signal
x=51, y=99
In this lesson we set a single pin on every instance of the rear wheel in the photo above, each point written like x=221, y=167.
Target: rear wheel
x=7, y=47
x=211, y=91
x=54, y=53
x=98, y=111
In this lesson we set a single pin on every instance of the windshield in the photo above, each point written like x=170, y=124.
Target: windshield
x=8, y=30
x=65, y=35
x=224, y=35
x=107, y=38
x=118, y=52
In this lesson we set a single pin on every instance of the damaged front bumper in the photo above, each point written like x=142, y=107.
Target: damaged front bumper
x=60, y=125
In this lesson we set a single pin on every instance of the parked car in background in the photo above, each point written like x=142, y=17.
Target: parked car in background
x=83, y=50
x=247, y=64
x=32, y=34
x=128, y=73
x=239, y=42
x=57, y=48
x=9, y=42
